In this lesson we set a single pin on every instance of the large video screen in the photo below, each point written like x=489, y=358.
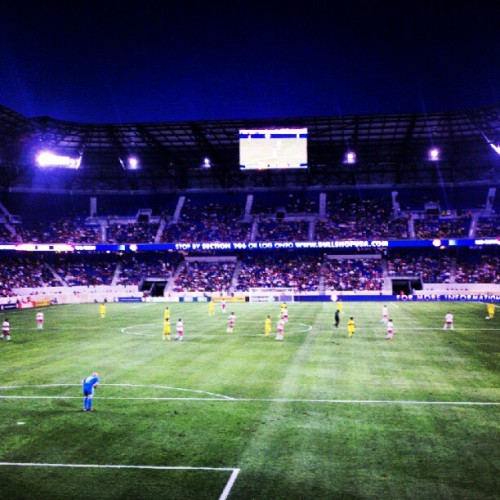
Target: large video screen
x=273, y=148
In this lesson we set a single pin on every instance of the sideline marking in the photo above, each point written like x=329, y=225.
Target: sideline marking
x=223, y=496
x=307, y=328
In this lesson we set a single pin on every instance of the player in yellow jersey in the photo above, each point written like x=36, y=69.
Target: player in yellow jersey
x=339, y=305
x=166, y=330
x=102, y=310
x=166, y=324
x=491, y=310
x=267, y=326
x=211, y=308
x=351, y=326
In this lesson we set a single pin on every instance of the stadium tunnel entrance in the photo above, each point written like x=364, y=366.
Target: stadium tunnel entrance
x=154, y=286
x=406, y=285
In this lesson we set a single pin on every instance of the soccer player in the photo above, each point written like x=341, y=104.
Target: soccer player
x=102, y=310
x=39, y=320
x=280, y=329
x=267, y=326
x=385, y=314
x=230, y=324
x=284, y=313
x=223, y=306
x=390, y=329
x=89, y=384
x=351, y=326
x=337, y=318
x=448, y=322
x=491, y=310
x=339, y=305
x=166, y=324
x=180, y=330
x=211, y=308
x=5, y=329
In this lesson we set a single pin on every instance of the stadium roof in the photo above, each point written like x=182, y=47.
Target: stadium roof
x=390, y=149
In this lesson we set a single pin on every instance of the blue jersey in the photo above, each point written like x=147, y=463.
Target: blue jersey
x=89, y=383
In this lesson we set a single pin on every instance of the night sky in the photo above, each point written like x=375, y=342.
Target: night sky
x=167, y=61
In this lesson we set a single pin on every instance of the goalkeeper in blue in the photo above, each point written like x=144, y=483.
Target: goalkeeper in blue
x=88, y=386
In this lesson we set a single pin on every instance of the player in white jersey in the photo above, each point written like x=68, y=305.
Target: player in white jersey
x=280, y=329
x=230, y=323
x=180, y=330
x=448, y=322
x=39, y=320
x=284, y=313
x=5, y=329
x=385, y=314
x=223, y=306
x=390, y=329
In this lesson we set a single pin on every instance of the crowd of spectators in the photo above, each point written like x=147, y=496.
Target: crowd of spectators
x=280, y=230
x=202, y=276
x=208, y=222
x=136, y=232
x=64, y=230
x=488, y=227
x=134, y=267
x=353, y=274
x=485, y=269
x=24, y=272
x=432, y=269
x=349, y=218
x=88, y=270
x=301, y=272
x=435, y=227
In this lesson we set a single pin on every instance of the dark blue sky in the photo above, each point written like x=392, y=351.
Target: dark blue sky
x=153, y=61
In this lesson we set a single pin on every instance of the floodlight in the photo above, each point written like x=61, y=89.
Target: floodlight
x=495, y=148
x=206, y=163
x=133, y=163
x=48, y=159
x=350, y=158
x=433, y=154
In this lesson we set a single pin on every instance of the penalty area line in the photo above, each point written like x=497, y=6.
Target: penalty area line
x=225, y=493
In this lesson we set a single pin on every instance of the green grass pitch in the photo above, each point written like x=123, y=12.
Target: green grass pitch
x=317, y=416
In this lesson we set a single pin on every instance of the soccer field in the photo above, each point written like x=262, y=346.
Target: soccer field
x=219, y=415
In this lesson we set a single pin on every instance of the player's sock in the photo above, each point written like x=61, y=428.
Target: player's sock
x=89, y=404
x=85, y=403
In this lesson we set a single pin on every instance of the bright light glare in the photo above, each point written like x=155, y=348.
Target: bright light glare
x=350, y=158
x=47, y=159
x=133, y=163
x=434, y=154
x=495, y=148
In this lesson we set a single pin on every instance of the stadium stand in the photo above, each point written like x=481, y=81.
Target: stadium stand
x=393, y=193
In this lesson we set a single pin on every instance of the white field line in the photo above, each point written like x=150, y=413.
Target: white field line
x=306, y=328
x=7, y=387
x=223, y=496
x=276, y=400
x=229, y=485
